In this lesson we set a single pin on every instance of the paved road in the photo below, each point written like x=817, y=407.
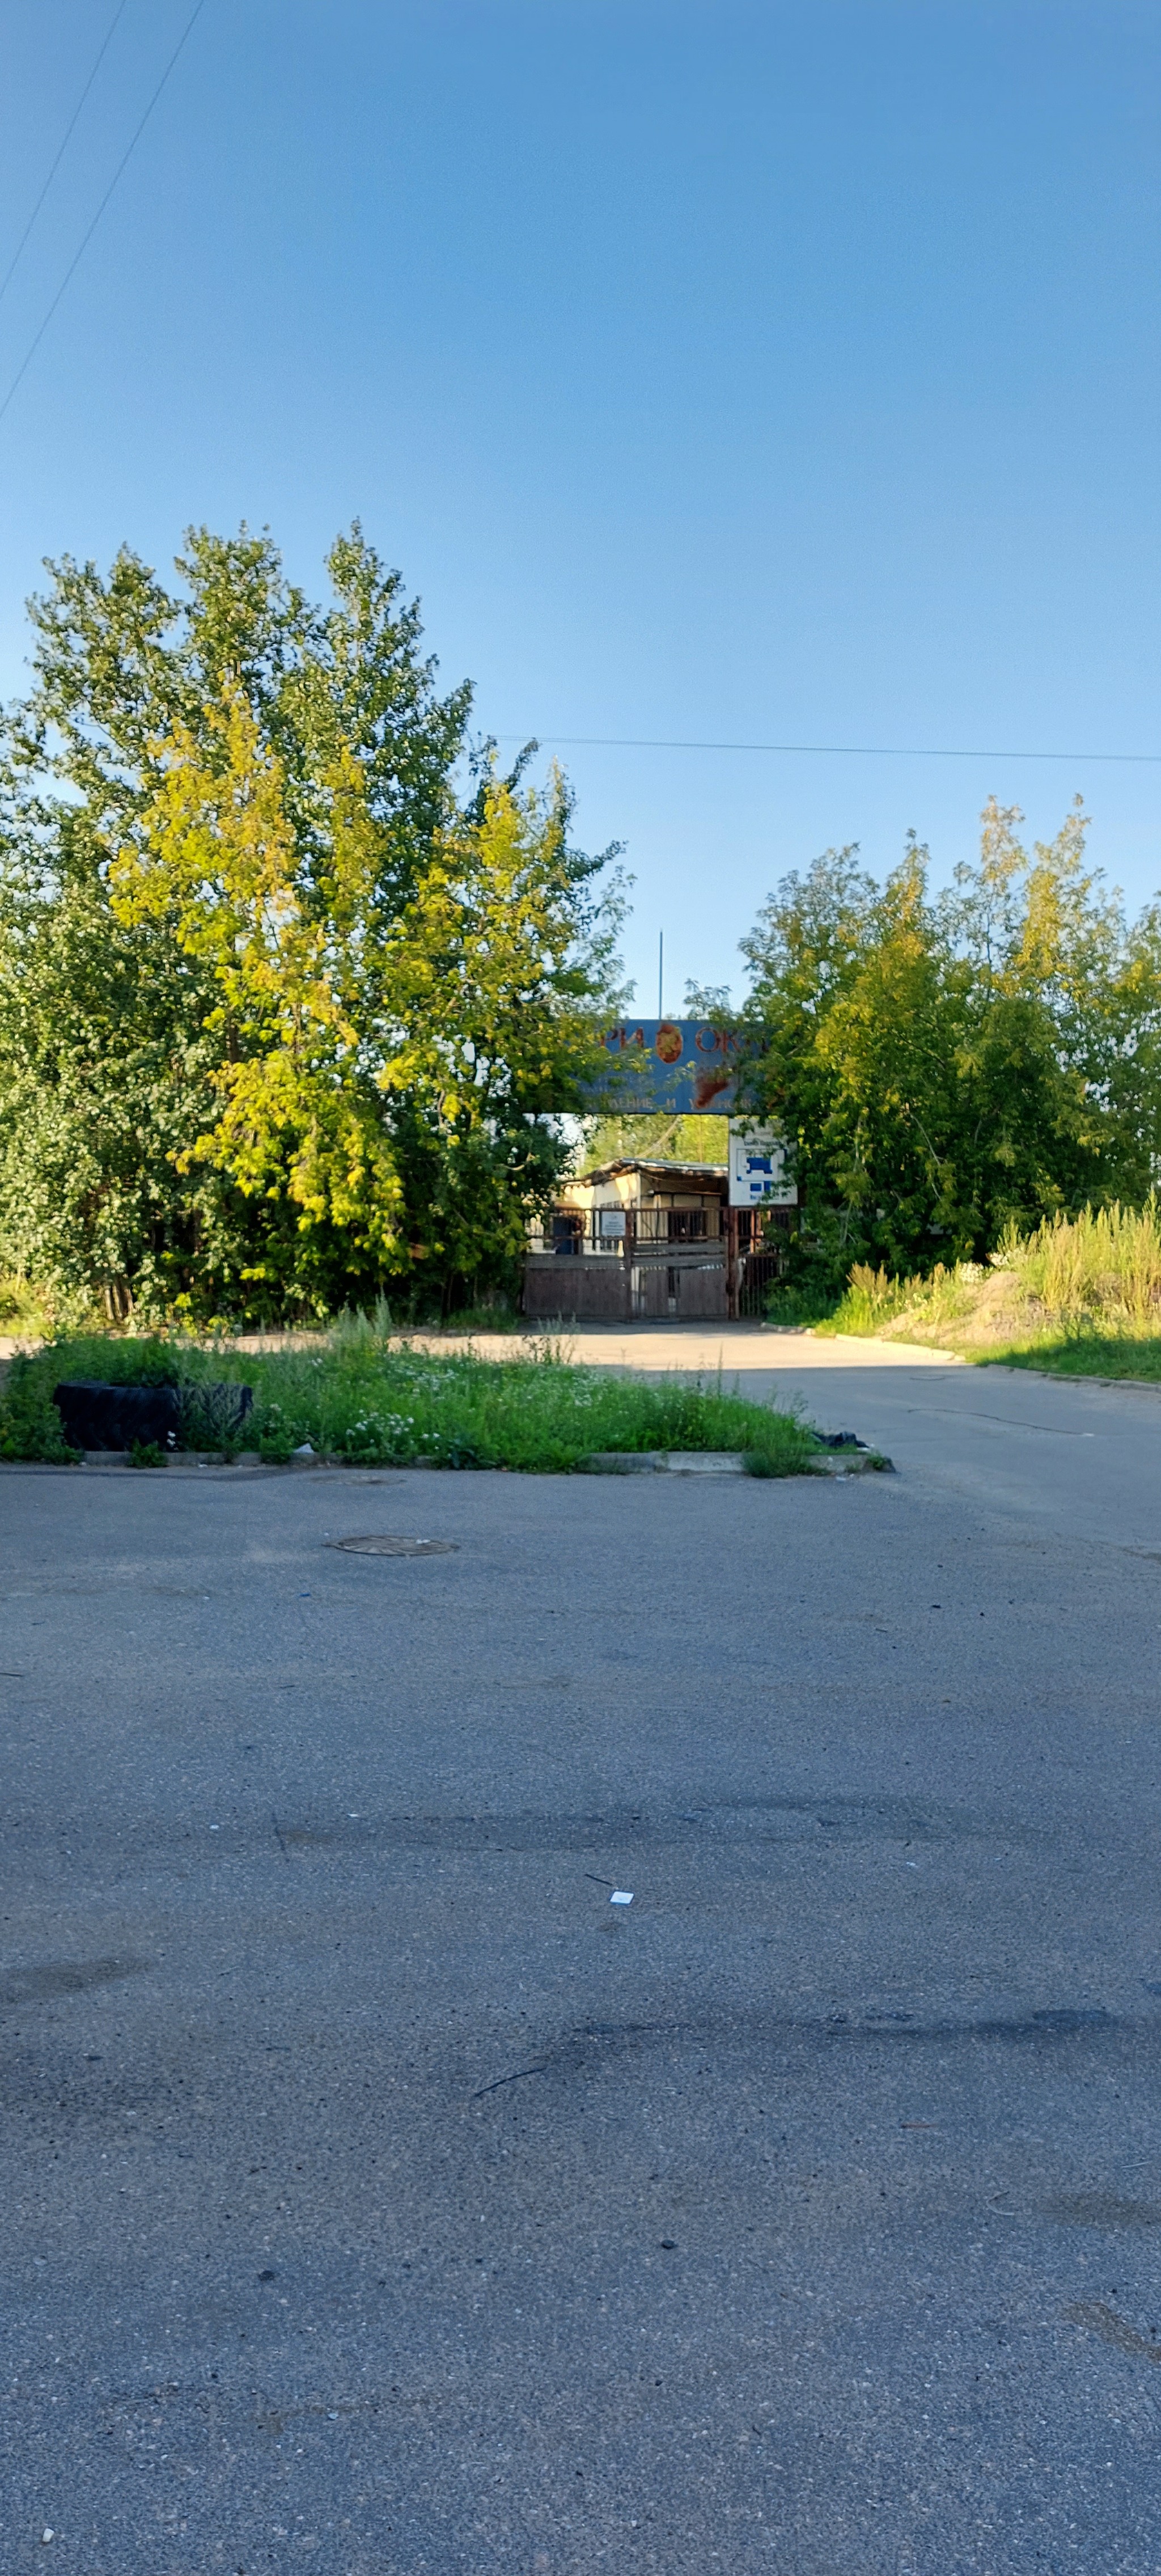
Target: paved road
x=1076, y=1456
x=380, y=2198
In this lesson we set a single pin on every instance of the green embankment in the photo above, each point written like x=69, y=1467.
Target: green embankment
x=1080, y=1296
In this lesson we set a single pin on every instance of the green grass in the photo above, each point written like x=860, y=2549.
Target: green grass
x=146, y=1453
x=873, y=1300
x=1102, y=1265
x=1129, y=1355
x=799, y=1306
x=24, y=1312
x=1078, y=1296
x=362, y=1400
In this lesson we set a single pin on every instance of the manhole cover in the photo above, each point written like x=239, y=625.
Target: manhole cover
x=396, y=1546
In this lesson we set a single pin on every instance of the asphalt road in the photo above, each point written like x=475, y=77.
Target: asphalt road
x=1002, y=1435
x=381, y=2198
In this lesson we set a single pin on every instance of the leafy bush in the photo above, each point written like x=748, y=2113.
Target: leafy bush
x=798, y=1304
x=30, y=1426
x=145, y=1359
x=23, y=1309
x=146, y=1453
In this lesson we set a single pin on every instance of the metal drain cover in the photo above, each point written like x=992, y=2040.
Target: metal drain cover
x=396, y=1546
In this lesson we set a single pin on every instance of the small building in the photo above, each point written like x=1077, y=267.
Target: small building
x=650, y=1240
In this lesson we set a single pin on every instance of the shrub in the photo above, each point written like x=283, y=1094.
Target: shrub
x=30, y=1426
x=146, y=1453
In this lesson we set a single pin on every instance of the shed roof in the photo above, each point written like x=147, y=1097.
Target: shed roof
x=663, y=1171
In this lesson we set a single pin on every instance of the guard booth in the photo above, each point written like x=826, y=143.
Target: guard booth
x=633, y=1240
x=650, y=1240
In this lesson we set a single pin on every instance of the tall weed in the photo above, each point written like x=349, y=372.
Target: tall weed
x=1106, y=1262
x=874, y=1300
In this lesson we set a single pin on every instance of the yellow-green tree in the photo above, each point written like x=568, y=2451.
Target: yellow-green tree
x=396, y=1080
x=216, y=862
x=494, y=973
x=948, y=1067
x=292, y=986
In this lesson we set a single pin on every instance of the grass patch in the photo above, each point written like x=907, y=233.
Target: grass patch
x=24, y=1311
x=1131, y=1355
x=873, y=1303
x=362, y=1398
x=798, y=1306
x=147, y=1453
x=1079, y=1296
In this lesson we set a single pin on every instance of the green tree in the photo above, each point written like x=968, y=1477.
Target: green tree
x=283, y=1017
x=945, y=1068
x=104, y=1070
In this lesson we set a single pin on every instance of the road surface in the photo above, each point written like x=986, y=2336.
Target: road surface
x=1077, y=1455
x=382, y=2198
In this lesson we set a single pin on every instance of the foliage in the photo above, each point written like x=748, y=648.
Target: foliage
x=23, y=1309
x=146, y=1453
x=1088, y=1354
x=873, y=1301
x=30, y=1426
x=283, y=1016
x=1079, y=1294
x=366, y=1399
x=794, y=1306
x=1105, y=1262
x=949, y=1068
x=495, y=967
x=654, y=1138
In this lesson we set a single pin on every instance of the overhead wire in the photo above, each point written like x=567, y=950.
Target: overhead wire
x=592, y=742
x=815, y=750
x=14, y=262
x=79, y=253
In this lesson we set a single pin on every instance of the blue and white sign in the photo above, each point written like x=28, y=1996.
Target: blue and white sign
x=758, y=1167
x=669, y=1064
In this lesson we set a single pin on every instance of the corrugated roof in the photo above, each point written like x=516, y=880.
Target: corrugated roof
x=641, y=1163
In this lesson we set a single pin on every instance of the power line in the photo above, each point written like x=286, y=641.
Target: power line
x=78, y=255
x=13, y=263
x=818, y=750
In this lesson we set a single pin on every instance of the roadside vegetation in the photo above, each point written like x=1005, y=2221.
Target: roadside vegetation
x=295, y=983
x=1080, y=1295
x=364, y=1398
x=954, y=1070
x=24, y=1312
x=301, y=999
x=652, y=1138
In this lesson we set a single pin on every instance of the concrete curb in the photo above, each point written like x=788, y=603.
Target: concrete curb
x=726, y=1462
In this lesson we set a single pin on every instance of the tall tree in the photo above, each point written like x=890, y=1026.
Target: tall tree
x=230, y=824
x=948, y=1067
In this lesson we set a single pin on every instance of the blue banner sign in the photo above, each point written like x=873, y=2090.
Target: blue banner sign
x=669, y=1064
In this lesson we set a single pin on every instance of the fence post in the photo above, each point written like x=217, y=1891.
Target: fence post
x=732, y=1265
x=629, y=1242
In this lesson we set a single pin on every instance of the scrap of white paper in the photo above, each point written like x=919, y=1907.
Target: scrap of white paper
x=621, y=1896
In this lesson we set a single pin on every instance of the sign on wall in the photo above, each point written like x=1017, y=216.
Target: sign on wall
x=668, y=1064
x=758, y=1167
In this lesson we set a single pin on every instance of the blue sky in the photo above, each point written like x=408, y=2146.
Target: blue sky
x=715, y=370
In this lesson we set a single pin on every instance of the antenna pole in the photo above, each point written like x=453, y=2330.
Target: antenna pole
x=660, y=974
